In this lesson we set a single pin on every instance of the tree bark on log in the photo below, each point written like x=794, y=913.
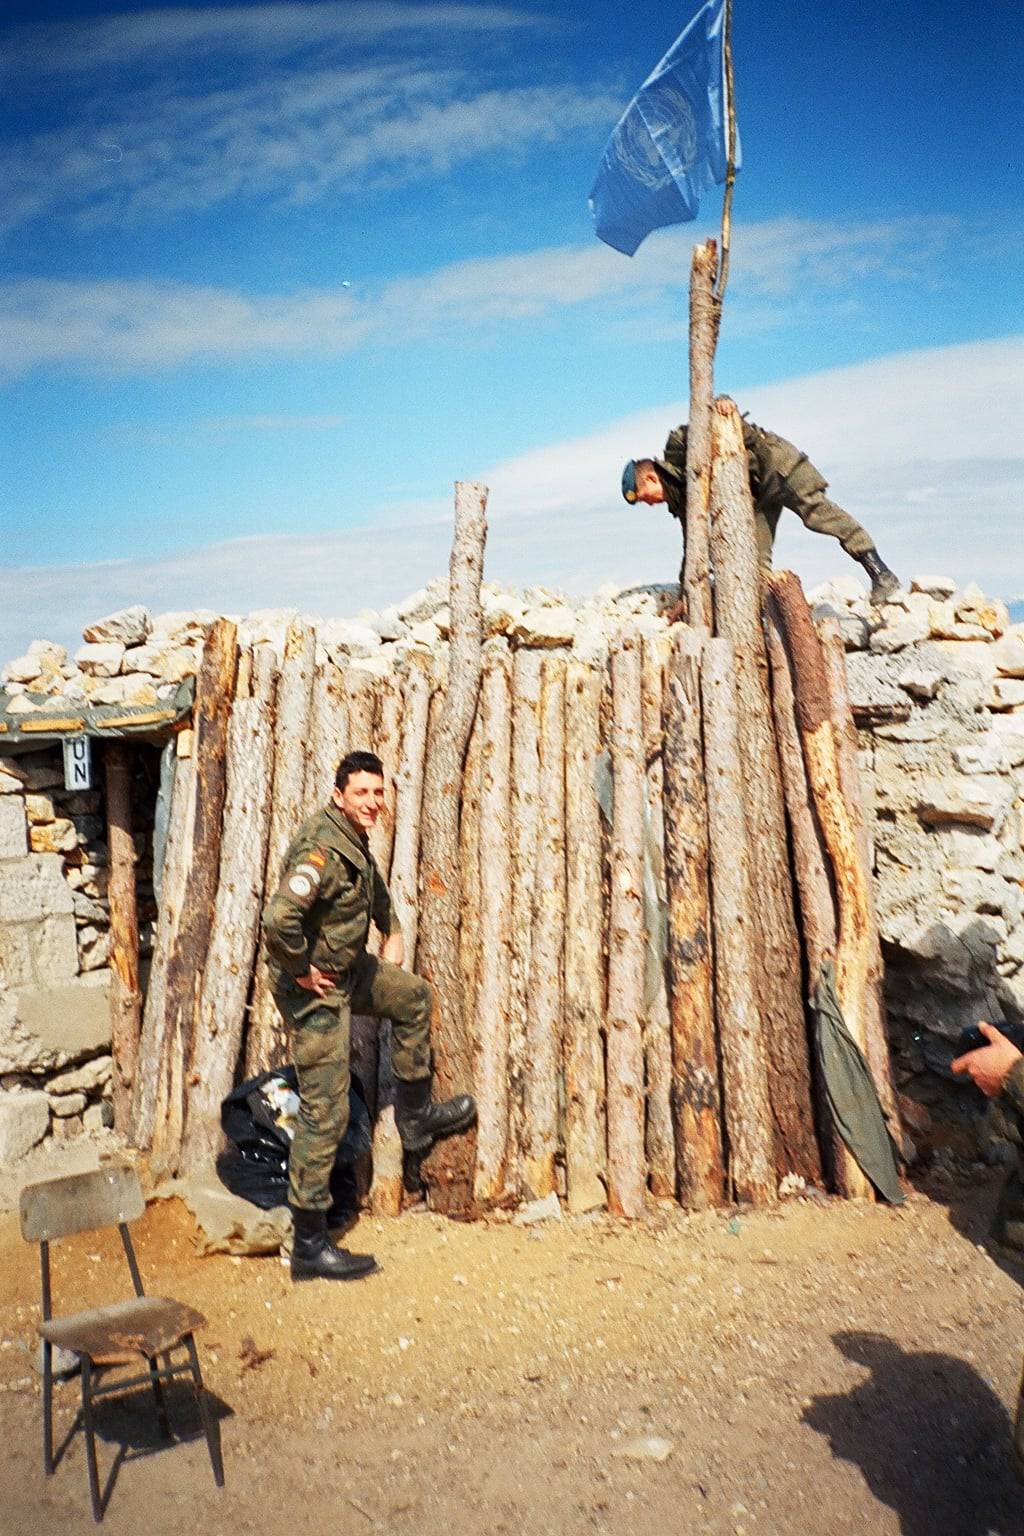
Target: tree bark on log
x=813, y=876
x=821, y=758
x=386, y=1191
x=235, y=930
x=405, y=856
x=625, y=1067
x=659, y=1135
x=449, y=1168
x=526, y=690
x=696, y=591
x=495, y=864
x=545, y=1004
x=875, y=1031
x=266, y=1041
x=387, y=745
x=176, y=863
x=748, y=1120
x=215, y=686
x=696, y=1091
x=361, y=701
x=738, y=609
x=125, y=991
x=585, y=1125
x=469, y=866
x=328, y=732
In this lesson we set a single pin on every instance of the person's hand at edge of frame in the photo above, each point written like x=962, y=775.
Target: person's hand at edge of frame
x=988, y=1066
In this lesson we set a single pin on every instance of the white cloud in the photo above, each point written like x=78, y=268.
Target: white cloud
x=123, y=325
x=919, y=445
x=342, y=98
x=126, y=40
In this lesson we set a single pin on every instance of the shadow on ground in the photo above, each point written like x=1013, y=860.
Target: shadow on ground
x=931, y=1438
x=129, y=1421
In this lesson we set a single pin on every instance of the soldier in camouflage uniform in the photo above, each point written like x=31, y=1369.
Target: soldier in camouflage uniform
x=316, y=927
x=780, y=476
x=998, y=1070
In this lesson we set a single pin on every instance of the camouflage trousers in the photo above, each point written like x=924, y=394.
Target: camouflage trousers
x=320, y=1031
x=803, y=489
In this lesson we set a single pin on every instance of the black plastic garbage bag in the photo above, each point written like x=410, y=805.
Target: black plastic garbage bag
x=257, y=1118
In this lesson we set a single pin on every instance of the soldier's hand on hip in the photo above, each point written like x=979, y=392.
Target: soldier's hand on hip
x=316, y=981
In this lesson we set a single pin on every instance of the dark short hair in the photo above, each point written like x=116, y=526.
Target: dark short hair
x=357, y=762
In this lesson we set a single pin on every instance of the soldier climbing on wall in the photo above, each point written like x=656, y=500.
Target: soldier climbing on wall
x=780, y=476
x=316, y=926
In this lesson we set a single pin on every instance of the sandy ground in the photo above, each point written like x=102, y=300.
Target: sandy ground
x=817, y=1368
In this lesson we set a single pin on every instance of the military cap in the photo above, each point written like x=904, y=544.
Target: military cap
x=629, y=482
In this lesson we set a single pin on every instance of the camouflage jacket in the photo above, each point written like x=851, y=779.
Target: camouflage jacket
x=329, y=890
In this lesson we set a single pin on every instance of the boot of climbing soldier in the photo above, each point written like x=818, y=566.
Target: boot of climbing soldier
x=884, y=583
x=420, y=1123
x=314, y=1256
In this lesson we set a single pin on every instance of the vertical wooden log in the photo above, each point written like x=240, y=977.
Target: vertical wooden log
x=469, y=867
x=125, y=992
x=544, y=1010
x=266, y=1041
x=810, y=860
x=387, y=744
x=813, y=874
x=748, y=1119
x=495, y=863
x=696, y=1093
x=585, y=1126
x=361, y=701
x=821, y=757
x=626, y=1163
x=328, y=732
x=448, y=1170
x=738, y=603
x=526, y=691
x=405, y=855
x=235, y=929
x=876, y=1040
x=660, y=1140
x=215, y=685
x=696, y=592
x=176, y=863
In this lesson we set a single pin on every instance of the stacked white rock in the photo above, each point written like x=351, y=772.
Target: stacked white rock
x=937, y=687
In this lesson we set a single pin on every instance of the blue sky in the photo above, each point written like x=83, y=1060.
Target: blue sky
x=273, y=276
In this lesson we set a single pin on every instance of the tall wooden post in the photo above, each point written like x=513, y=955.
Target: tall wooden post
x=626, y=1161
x=740, y=1025
x=449, y=1168
x=738, y=604
x=696, y=593
x=125, y=994
x=696, y=1093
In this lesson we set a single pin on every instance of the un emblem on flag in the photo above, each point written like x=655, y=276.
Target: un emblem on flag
x=662, y=144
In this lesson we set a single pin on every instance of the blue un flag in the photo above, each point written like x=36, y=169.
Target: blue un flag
x=671, y=143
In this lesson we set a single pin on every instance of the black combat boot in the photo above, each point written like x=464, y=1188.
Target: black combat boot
x=884, y=583
x=420, y=1123
x=314, y=1256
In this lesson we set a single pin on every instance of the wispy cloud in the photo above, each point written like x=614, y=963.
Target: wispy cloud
x=123, y=326
x=915, y=445
x=151, y=128
x=126, y=40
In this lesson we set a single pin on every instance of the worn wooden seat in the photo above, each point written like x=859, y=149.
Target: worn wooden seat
x=141, y=1328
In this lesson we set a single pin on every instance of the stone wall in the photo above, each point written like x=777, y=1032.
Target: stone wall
x=937, y=685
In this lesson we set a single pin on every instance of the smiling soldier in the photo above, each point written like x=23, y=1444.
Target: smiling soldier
x=316, y=926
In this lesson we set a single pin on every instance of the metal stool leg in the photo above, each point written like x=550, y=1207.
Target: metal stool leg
x=90, y=1438
x=212, y=1441
x=47, y=1407
x=158, y=1393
